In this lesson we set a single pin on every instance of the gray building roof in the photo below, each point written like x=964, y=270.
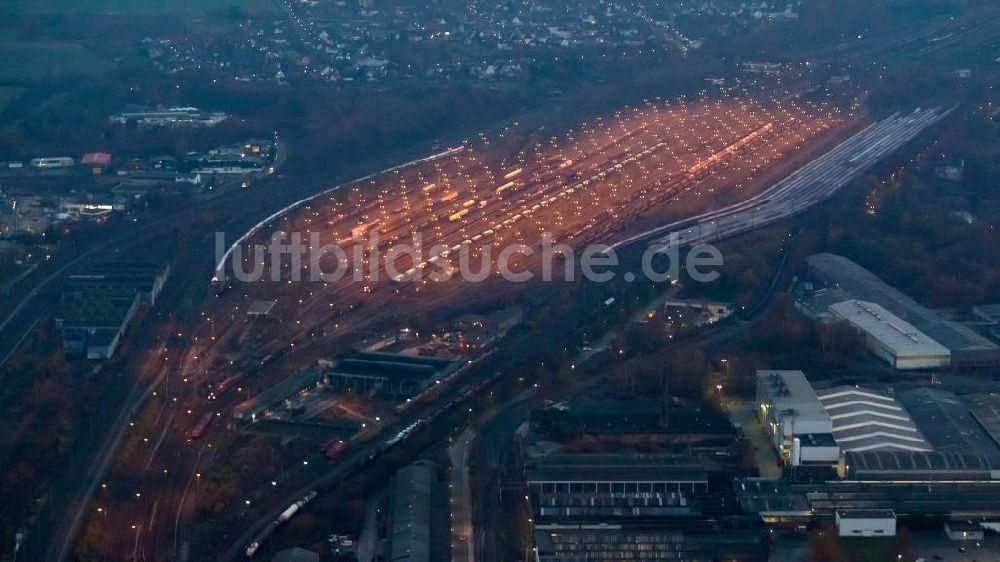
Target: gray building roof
x=394, y=366
x=616, y=468
x=949, y=424
x=272, y=396
x=865, y=420
x=648, y=542
x=866, y=514
x=410, y=524
x=985, y=409
x=988, y=312
x=906, y=465
x=260, y=308
x=792, y=392
x=851, y=281
x=894, y=333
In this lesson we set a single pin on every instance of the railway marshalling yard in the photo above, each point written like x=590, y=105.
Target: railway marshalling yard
x=603, y=180
x=590, y=184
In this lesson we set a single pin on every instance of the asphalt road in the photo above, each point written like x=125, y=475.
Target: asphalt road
x=460, y=501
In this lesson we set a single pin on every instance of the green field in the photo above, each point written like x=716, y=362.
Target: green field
x=45, y=60
x=126, y=7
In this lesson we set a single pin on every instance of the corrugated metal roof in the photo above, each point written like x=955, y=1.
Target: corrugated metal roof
x=852, y=281
x=866, y=420
x=896, y=334
x=616, y=468
x=897, y=461
x=410, y=531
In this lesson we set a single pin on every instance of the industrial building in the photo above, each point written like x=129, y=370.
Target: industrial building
x=866, y=420
x=920, y=452
x=774, y=501
x=145, y=277
x=98, y=305
x=866, y=523
x=574, y=486
x=414, y=509
x=651, y=422
x=835, y=279
x=789, y=409
x=814, y=449
x=595, y=416
x=168, y=117
x=634, y=507
x=647, y=543
x=278, y=396
x=388, y=374
x=93, y=319
x=814, y=427
x=924, y=466
x=784, y=503
x=891, y=338
x=953, y=443
x=985, y=410
x=953, y=424
x=250, y=157
x=385, y=374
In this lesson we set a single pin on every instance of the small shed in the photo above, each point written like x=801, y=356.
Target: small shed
x=96, y=162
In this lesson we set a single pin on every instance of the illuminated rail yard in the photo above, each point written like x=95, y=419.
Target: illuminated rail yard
x=581, y=186
x=712, y=158
x=578, y=187
x=494, y=281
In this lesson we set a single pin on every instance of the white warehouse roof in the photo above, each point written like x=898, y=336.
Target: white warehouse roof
x=894, y=335
x=865, y=420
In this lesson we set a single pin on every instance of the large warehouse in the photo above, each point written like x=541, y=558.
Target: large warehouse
x=918, y=466
x=815, y=426
x=651, y=484
x=842, y=280
x=411, y=513
x=598, y=507
x=865, y=420
x=388, y=374
x=891, y=338
x=952, y=424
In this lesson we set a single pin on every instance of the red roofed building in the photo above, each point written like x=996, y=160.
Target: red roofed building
x=98, y=162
